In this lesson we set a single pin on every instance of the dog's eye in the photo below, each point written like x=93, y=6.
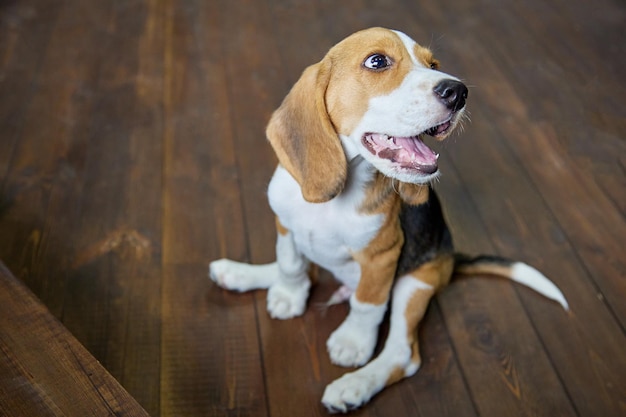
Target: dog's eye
x=377, y=62
x=434, y=64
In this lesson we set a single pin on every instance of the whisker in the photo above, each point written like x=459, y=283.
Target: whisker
x=393, y=185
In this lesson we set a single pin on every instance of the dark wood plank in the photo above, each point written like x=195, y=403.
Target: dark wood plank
x=44, y=370
x=211, y=360
x=21, y=23
x=42, y=159
x=73, y=234
x=111, y=214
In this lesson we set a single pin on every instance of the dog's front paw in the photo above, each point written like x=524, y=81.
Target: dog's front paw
x=351, y=344
x=238, y=276
x=285, y=301
x=228, y=274
x=351, y=391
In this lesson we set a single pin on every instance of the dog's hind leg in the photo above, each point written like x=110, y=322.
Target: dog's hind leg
x=400, y=357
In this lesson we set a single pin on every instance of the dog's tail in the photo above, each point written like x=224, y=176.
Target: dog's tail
x=516, y=271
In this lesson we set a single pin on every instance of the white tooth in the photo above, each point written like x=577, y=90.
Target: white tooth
x=436, y=156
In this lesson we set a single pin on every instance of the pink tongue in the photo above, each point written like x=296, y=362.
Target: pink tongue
x=414, y=150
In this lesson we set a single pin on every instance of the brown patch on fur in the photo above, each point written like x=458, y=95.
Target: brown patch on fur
x=314, y=273
x=416, y=358
x=379, y=259
x=413, y=194
x=425, y=56
x=481, y=268
x=378, y=263
x=282, y=230
x=383, y=193
x=396, y=375
x=381, y=197
x=436, y=273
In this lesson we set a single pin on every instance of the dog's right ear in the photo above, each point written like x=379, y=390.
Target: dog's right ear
x=305, y=140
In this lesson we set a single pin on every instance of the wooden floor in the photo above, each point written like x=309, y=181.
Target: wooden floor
x=132, y=153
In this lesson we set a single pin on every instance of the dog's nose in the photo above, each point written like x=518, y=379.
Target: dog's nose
x=452, y=93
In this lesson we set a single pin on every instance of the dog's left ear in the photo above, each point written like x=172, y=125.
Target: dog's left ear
x=305, y=140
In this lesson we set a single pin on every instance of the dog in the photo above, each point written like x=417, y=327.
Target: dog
x=352, y=194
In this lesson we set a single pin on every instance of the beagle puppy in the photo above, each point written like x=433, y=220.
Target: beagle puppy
x=351, y=194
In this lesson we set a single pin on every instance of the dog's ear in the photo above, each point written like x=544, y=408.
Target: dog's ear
x=305, y=140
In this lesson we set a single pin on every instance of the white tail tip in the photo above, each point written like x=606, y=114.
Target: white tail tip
x=530, y=277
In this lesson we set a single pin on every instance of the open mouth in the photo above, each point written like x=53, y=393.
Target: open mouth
x=407, y=152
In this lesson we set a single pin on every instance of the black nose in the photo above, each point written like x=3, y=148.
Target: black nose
x=452, y=93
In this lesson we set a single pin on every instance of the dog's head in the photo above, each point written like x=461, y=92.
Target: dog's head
x=375, y=94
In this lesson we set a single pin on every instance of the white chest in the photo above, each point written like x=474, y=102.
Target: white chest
x=326, y=233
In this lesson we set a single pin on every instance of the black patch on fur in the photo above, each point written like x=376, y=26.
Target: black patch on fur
x=462, y=259
x=426, y=234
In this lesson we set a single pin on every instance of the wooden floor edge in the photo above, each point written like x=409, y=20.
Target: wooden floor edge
x=44, y=370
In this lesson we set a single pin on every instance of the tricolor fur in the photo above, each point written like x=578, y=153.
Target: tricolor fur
x=351, y=193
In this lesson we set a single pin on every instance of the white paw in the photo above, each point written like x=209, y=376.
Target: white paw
x=228, y=274
x=351, y=344
x=285, y=301
x=238, y=276
x=351, y=391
